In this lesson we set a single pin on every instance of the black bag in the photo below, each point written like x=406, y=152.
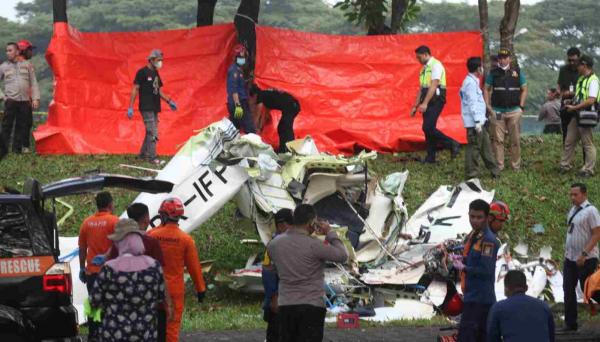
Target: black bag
x=587, y=118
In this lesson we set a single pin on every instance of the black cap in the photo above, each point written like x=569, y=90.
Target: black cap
x=284, y=216
x=504, y=52
x=586, y=60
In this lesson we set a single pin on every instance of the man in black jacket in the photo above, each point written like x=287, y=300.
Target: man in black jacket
x=284, y=102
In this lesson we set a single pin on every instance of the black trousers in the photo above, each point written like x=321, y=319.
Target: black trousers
x=571, y=275
x=285, y=128
x=433, y=136
x=552, y=129
x=20, y=115
x=301, y=323
x=473, y=322
x=162, y=324
x=272, y=320
x=246, y=122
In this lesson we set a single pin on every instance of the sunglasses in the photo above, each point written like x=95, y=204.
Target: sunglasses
x=572, y=60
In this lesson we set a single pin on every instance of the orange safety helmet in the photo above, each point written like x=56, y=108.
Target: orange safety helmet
x=454, y=306
x=500, y=211
x=24, y=45
x=172, y=208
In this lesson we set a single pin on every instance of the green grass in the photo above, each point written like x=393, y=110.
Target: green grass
x=536, y=194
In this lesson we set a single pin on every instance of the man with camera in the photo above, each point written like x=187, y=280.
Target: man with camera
x=584, y=109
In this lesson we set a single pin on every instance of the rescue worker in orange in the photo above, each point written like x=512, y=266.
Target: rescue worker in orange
x=179, y=251
x=93, y=240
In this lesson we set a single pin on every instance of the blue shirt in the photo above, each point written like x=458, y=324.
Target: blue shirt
x=472, y=103
x=489, y=80
x=480, y=268
x=236, y=84
x=520, y=318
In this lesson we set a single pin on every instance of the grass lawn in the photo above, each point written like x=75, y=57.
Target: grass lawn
x=536, y=194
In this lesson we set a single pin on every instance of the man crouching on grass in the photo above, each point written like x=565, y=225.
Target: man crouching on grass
x=300, y=262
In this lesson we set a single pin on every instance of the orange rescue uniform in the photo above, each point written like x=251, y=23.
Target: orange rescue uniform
x=93, y=237
x=179, y=251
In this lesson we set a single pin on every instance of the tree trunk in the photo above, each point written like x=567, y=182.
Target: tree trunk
x=398, y=9
x=485, y=33
x=375, y=17
x=245, y=20
x=59, y=11
x=509, y=24
x=206, y=12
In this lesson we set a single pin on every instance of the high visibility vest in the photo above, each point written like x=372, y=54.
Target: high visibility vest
x=582, y=90
x=425, y=76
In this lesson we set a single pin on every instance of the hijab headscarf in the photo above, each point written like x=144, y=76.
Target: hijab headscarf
x=131, y=255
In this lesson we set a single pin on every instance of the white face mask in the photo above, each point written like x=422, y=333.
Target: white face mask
x=240, y=61
x=158, y=64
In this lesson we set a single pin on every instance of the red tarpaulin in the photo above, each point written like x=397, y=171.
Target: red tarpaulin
x=94, y=74
x=358, y=91
x=354, y=90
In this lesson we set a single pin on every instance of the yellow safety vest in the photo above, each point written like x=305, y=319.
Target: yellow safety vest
x=583, y=87
x=425, y=76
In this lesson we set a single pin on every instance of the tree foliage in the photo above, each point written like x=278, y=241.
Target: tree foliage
x=373, y=14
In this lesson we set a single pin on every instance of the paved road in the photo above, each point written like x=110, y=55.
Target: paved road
x=586, y=334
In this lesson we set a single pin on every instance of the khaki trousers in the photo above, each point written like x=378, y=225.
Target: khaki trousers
x=575, y=134
x=508, y=123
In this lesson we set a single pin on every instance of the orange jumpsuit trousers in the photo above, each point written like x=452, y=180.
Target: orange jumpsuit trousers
x=179, y=251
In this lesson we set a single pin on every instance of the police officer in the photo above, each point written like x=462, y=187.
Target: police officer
x=21, y=95
x=587, y=92
x=505, y=94
x=284, y=102
x=477, y=266
x=237, y=92
x=430, y=101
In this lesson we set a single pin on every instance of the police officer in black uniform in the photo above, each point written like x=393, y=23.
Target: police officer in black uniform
x=284, y=102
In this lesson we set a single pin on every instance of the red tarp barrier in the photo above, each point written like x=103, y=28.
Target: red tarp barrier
x=94, y=74
x=355, y=91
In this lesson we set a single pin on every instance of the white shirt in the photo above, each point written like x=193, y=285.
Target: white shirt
x=471, y=102
x=594, y=87
x=586, y=219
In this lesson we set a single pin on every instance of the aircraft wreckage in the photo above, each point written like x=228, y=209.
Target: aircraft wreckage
x=399, y=266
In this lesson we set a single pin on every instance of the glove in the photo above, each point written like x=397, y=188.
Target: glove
x=99, y=260
x=458, y=265
x=82, y=276
x=239, y=112
x=130, y=113
x=478, y=127
x=173, y=105
x=201, y=296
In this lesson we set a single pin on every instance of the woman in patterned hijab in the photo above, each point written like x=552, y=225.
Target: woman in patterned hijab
x=128, y=290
